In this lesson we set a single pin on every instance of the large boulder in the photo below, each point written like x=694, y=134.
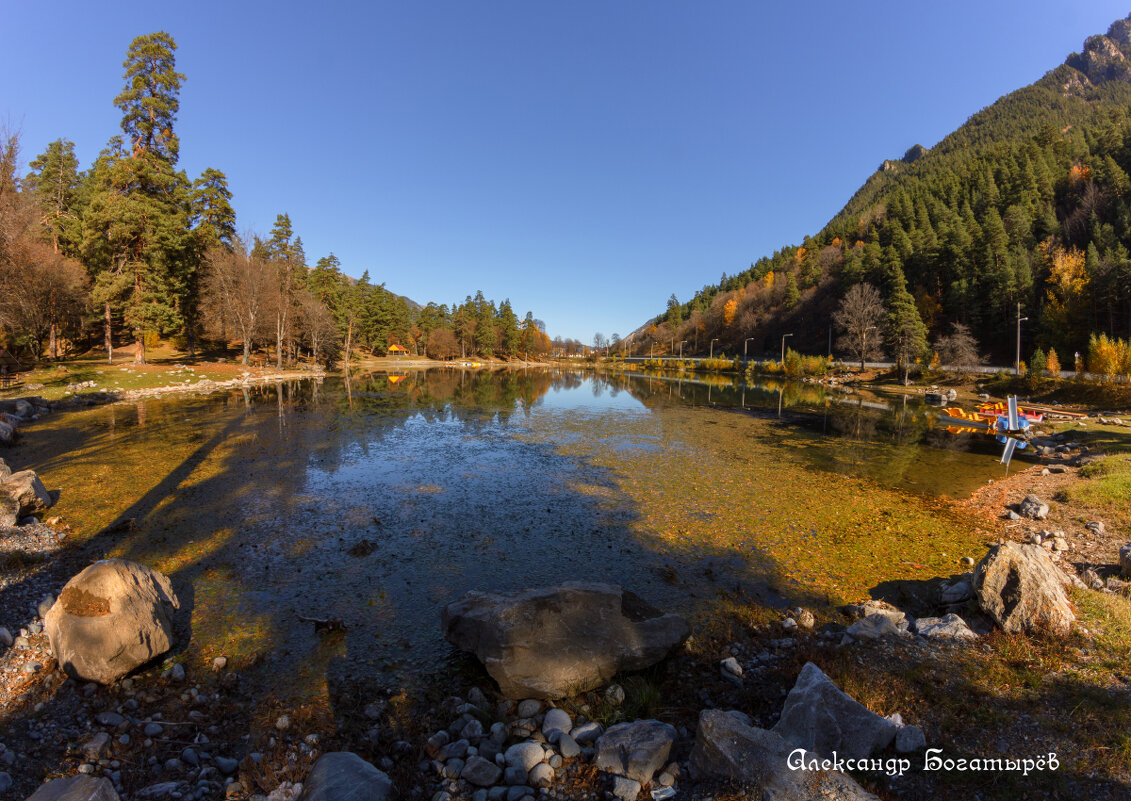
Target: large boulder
x=636, y=750
x=819, y=716
x=9, y=509
x=111, y=618
x=7, y=434
x=75, y=788
x=28, y=491
x=728, y=750
x=556, y=641
x=1021, y=588
x=5, y=471
x=344, y=776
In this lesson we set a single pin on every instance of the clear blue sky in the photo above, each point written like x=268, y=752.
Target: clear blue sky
x=584, y=159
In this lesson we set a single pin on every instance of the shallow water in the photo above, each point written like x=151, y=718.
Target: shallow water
x=378, y=500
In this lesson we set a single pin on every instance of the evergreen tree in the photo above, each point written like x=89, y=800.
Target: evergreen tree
x=212, y=213
x=907, y=336
x=509, y=335
x=57, y=183
x=136, y=237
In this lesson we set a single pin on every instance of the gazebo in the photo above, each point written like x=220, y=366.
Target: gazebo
x=396, y=349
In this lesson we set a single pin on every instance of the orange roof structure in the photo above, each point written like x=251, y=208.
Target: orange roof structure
x=397, y=349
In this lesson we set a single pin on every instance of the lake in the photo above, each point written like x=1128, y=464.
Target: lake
x=378, y=499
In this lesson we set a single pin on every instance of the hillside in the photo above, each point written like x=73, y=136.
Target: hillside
x=1028, y=203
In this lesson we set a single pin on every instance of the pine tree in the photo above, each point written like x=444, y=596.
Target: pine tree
x=213, y=216
x=907, y=336
x=136, y=237
x=56, y=182
x=509, y=335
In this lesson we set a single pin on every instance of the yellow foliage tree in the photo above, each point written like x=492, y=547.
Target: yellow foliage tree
x=1053, y=363
x=769, y=279
x=729, y=309
x=1067, y=293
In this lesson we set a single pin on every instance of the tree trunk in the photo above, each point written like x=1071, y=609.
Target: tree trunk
x=246, y=350
x=139, y=354
x=54, y=341
x=109, y=338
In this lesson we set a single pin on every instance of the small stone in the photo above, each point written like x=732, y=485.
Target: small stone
x=529, y=708
x=1095, y=526
x=86, y=768
x=152, y=729
x=967, y=561
x=481, y=772
x=588, y=733
x=283, y=722
x=1059, y=544
x=806, y=620
x=524, y=755
x=614, y=695
x=5, y=637
x=226, y=765
x=568, y=747
x=541, y=775
x=665, y=779
x=556, y=720
x=789, y=624
x=219, y=663
x=626, y=789
x=32, y=667
x=97, y=746
x=178, y=672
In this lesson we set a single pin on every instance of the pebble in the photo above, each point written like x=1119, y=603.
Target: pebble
x=614, y=695
x=219, y=663
x=178, y=672
x=568, y=747
x=6, y=640
x=226, y=765
x=152, y=729
x=529, y=708
x=542, y=775
x=283, y=722
x=556, y=720
x=112, y=719
x=5, y=782
x=626, y=789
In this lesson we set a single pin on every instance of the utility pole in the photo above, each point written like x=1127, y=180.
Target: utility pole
x=744, y=345
x=783, y=347
x=1020, y=319
x=712, y=354
x=681, y=351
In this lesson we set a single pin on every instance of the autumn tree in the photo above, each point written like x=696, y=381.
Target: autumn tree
x=238, y=287
x=442, y=344
x=959, y=348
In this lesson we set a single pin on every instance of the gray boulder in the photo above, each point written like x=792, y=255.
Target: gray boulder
x=819, y=716
x=7, y=434
x=556, y=641
x=1033, y=508
x=481, y=772
x=958, y=592
x=726, y=749
x=343, y=776
x=28, y=491
x=875, y=627
x=635, y=750
x=75, y=788
x=1125, y=560
x=948, y=627
x=111, y=618
x=1021, y=588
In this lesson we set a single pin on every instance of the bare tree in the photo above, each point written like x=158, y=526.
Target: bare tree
x=959, y=348
x=318, y=327
x=860, y=317
x=238, y=288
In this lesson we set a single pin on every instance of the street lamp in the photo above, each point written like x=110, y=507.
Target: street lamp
x=783, y=346
x=744, y=345
x=681, y=351
x=1020, y=319
x=864, y=346
x=712, y=353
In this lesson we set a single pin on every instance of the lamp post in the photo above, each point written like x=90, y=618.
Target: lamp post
x=864, y=346
x=681, y=349
x=712, y=352
x=650, y=349
x=744, y=344
x=1020, y=319
x=783, y=346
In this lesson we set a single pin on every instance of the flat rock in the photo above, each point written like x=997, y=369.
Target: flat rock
x=636, y=750
x=1021, y=588
x=819, y=716
x=726, y=749
x=343, y=776
x=910, y=739
x=524, y=755
x=76, y=788
x=111, y=618
x=481, y=772
x=626, y=789
x=557, y=641
x=949, y=626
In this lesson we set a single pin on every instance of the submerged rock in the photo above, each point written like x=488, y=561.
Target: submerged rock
x=819, y=716
x=555, y=641
x=111, y=618
x=1022, y=590
x=726, y=749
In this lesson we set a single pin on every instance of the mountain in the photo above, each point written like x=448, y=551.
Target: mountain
x=1028, y=203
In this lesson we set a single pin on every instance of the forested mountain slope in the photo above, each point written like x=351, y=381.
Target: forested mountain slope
x=1028, y=202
